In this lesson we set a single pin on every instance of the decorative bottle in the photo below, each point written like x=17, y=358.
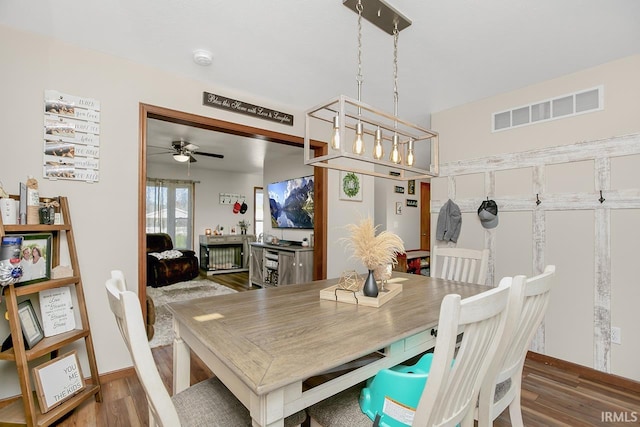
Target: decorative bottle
x=370, y=288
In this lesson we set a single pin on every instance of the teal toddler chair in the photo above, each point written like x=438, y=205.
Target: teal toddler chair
x=394, y=393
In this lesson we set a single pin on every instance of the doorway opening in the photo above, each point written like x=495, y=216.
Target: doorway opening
x=147, y=111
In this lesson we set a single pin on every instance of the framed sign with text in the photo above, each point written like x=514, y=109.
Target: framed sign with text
x=57, y=380
x=224, y=103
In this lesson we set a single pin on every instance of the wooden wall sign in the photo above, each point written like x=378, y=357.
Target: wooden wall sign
x=224, y=103
x=57, y=380
x=71, y=137
x=56, y=307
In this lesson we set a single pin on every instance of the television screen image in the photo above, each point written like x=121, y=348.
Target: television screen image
x=291, y=203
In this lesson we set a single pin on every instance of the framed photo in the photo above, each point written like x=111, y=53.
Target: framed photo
x=57, y=380
x=398, y=189
x=350, y=186
x=35, y=258
x=412, y=203
x=398, y=208
x=31, y=328
x=411, y=186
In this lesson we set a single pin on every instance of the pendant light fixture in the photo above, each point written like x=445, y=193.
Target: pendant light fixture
x=365, y=125
x=410, y=156
x=335, y=136
x=378, y=149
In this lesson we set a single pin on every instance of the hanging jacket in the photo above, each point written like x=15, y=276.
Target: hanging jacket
x=449, y=222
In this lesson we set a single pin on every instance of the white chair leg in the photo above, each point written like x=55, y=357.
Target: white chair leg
x=515, y=412
x=152, y=421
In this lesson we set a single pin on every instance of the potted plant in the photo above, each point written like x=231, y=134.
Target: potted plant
x=244, y=225
x=375, y=252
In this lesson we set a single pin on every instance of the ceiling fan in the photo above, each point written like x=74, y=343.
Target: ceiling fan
x=183, y=151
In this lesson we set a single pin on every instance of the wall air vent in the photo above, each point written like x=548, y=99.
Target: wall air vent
x=585, y=101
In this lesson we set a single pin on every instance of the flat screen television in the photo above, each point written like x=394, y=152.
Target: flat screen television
x=291, y=203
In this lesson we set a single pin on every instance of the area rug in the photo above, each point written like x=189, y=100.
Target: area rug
x=182, y=291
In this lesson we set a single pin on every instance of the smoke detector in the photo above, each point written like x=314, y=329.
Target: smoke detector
x=202, y=57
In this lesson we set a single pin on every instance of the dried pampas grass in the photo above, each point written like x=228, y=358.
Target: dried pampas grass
x=372, y=250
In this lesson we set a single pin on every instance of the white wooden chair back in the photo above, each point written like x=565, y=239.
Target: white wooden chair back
x=459, y=264
x=451, y=392
x=530, y=299
x=126, y=308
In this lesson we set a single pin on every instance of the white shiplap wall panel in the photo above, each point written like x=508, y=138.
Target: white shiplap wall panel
x=601, y=201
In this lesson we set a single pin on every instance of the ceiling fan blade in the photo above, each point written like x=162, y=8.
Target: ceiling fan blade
x=218, y=156
x=192, y=159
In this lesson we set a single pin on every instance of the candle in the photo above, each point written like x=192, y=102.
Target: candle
x=207, y=232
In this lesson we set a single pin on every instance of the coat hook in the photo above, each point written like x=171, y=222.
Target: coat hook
x=601, y=199
x=538, y=201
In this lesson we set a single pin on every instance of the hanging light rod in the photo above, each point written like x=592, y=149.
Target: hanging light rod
x=381, y=14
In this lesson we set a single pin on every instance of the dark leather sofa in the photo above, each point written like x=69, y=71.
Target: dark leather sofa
x=163, y=272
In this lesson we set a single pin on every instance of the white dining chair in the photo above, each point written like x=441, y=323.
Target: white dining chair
x=459, y=264
x=503, y=382
x=451, y=391
x=207, y=403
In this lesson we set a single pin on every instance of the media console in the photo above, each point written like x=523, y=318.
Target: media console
x=276, y=265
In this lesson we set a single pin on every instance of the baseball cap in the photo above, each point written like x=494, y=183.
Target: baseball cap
x=236, y=207
x=243, y=208
x=488, y=214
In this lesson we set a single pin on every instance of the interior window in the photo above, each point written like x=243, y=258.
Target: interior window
x=258, y=219
x=170, y=210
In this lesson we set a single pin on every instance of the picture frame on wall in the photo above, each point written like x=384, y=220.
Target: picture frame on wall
x=31, y=329
x=350, y=186
x=411, y=186
x=398, y=189
x=35, y=258
x=398, y=208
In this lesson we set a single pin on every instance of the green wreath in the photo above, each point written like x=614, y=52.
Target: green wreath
x=351, y=184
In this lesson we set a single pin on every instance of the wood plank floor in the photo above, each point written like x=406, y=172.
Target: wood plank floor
x=551, y=396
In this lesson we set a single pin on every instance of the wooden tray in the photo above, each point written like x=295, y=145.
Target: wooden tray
x=332, y=293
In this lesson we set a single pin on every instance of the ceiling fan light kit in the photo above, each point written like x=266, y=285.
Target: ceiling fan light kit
x=414, y=149
x=181, y=157
x=183, y=151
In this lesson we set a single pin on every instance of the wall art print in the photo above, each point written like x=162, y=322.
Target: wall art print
x=350, y=186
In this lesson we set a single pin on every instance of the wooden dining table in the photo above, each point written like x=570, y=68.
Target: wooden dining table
x=264, y=344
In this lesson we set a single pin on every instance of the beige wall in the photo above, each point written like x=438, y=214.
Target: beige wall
x=105, y=213
x=465, y=133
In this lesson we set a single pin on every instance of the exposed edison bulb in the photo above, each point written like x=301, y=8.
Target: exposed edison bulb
x=395, y=156
x=410, y=157
x=358, y=143
x=335, y=135
x=378, y=150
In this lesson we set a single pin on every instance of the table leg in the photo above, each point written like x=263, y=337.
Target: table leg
x=267, y=411
x=181, y=362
